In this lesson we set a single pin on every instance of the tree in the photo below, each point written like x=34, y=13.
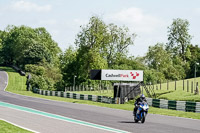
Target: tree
x=35, y=53
x=68, y=65
x=179, y=37
x=44, y=76
x=1, y=40
x=91, y=43
x=193, y=58
x=101, y=46
x=24, y=43
x=159, y=59
x=117, y=47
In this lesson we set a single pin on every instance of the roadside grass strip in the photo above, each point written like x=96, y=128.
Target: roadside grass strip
x=9, y=127
x=29, y=110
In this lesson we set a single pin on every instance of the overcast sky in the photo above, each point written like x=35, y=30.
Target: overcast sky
x=149, y=19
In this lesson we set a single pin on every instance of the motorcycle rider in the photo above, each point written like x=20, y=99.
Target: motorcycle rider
x=138, y=101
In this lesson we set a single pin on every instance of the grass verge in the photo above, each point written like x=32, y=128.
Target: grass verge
x=20, y=88
x=6, y=127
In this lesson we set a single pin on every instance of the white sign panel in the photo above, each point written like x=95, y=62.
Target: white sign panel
x=122, y=75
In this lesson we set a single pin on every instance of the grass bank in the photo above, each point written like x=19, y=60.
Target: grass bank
x=16, y=84
x=182, y=92
x=6, y=127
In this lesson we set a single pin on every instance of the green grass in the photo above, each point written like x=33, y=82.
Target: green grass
x=9, y=128
x=20, y=88
x=180, y=94
x=16, y=82
x=162, y=93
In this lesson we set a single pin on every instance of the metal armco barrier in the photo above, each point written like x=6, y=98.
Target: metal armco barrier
x=94, y=98
x=186, y=106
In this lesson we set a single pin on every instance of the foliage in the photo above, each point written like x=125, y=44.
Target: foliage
x=68, y=66
x=119, y=40
x=24, y=45
x=43, y=77
x=194, y=59
x=33, y=50
x=100, y=46
x=2, y=36
x=157, y=57
x=170, y=67
x=37, y=70
x=178, y=37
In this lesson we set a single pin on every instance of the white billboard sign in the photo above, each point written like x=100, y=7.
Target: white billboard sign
x=122, y=75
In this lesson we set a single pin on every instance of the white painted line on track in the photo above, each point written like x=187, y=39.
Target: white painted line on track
x=59, y=117
x=19, y=126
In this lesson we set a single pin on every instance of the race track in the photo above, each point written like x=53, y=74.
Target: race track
x=112, y=118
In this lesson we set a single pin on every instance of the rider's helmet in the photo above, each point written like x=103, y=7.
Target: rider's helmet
x=142, y=96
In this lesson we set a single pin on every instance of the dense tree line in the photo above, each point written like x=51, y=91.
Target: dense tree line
x=34, y=51
x=98, y=46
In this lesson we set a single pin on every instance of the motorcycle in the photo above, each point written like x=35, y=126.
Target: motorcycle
x=141, y=112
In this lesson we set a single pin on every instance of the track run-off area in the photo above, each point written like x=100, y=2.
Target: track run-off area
x=47, y=116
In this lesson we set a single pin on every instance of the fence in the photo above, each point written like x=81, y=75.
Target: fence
x=186, y=106
x=94, y=98
x=99, y=87
x=188, y=85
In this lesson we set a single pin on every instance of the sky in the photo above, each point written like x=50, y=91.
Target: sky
x=148, y=19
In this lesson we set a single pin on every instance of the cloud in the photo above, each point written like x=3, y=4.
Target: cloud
x=136, y=19
x=48, y=22
x=29, y=6
x=197, y=10
x=150, y=29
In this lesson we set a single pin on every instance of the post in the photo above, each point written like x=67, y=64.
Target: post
x=74, y=83
x=183, y=85
x=167, y=85
x=118, y=94
x=156, y=85
x=187, y=86
x=197, y=89
x=195, y=73
x=100, y=86
x=191, y=87
x=160, y=84
x=175, y=84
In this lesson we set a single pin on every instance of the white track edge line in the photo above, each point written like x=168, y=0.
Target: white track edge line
x=19, y=126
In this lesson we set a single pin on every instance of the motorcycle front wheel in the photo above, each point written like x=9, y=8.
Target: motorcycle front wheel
x=143, y=119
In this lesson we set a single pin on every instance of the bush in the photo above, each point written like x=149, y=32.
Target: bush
x=41, y=82
x=37, y=70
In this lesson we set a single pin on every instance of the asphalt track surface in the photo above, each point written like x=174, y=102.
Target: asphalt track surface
x=114, y=118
